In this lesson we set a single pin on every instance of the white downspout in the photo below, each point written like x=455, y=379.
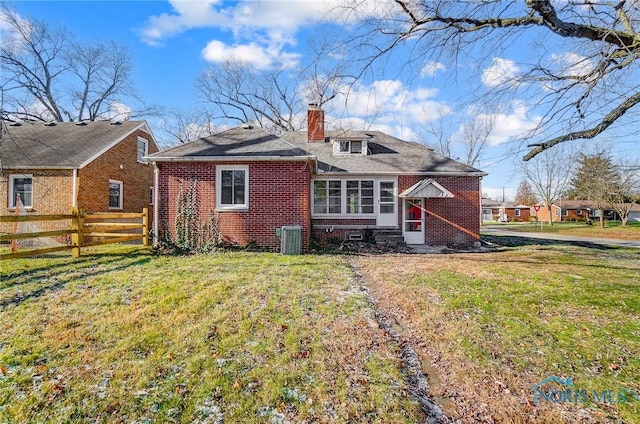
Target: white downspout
x=156, y=204
x=74, y=188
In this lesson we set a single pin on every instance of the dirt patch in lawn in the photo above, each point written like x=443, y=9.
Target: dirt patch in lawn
x=488, y=327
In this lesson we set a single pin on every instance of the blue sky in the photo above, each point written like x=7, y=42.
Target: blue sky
x=173, y=41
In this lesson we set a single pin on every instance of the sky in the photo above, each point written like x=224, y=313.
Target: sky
x=173, y=41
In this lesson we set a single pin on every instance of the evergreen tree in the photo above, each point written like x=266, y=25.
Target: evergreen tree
x=595, y=179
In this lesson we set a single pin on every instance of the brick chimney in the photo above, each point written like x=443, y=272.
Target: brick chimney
x=315, y=123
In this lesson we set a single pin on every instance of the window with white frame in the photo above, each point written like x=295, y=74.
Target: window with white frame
x=21, y=185
x=359, y=197
x=143, y=149
x=517, y=212
x=353, y=197
x=565, y=212
x=353, y=147
x=115, y=194
x=579, y=212
x=327, y=196
x=232, y=187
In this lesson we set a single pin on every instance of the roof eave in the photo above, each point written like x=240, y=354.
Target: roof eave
x=426, y=174
x=17, y=167
x=228, y=158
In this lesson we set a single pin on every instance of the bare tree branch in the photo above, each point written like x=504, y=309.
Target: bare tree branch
x=581, y=89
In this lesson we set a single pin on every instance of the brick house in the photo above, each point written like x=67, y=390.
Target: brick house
x=333, y=184
x=495, y=211
x=566, y=210
x=97, y=166
x=575, y=210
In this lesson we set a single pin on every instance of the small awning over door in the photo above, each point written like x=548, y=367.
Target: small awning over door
x=427, y=188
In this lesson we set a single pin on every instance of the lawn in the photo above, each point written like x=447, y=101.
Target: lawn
x=490, y=326
x=612, y=229
x=121, y=335
x=125, y=336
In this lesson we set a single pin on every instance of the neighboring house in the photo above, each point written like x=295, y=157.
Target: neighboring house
x=571, y=210
x=332, y=185
x=494, y=211
x=97, y=166
x=634, y=214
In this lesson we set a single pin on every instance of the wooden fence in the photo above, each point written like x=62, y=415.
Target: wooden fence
x=87, y=229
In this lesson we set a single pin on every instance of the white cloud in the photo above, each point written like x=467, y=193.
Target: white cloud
x=496, y=193
x=245, y=17
x=388, y=106
x=505, y=126
x=118, y=112
x=500, y=71
x=10, y=39
x=572, y=64
x=431, y=68
x=262, y=30
x=262, y=57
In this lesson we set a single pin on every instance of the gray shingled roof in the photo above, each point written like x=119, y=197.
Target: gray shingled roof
x=60, y=145
x=239, y=142
x=386, y=155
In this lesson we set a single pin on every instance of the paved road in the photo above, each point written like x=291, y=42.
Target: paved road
x=505, y=232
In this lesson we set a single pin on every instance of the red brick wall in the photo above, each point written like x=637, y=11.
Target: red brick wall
x=511, y=215
x=51, y=195
x=278, y=195
x=118, y=163
x=463, y=210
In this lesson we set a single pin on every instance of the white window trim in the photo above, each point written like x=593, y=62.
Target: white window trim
x=223, y=207
x=120, y=197
x=343, y=198
x=12, y=201
x=338, y=152
x=146, y=150
x=517, y=212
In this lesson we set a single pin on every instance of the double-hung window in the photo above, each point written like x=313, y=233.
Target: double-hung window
x=115, y=194
x=142, y=150
x=21, y=185
x=232, y=187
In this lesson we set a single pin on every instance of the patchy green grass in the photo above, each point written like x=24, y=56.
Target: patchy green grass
x=124, y=336
x=493, y=325
x=612, y=229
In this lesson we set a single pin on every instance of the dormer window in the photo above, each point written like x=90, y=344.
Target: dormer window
x=349, y=147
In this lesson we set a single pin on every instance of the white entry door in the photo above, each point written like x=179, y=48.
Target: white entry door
x=387, y=214
x=413, y=221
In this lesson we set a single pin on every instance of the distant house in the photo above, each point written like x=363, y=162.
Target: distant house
x=334, y=184
x=495, y=211
x=97, y=166
x=634, y=214
x=572, y=210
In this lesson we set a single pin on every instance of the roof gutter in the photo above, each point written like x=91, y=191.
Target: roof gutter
x=229, y=158
x=426, y=174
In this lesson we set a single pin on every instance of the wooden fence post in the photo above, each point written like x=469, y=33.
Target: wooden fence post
x=76, y=238
x=145, y=226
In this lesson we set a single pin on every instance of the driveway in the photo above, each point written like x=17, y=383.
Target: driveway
x=506, y=232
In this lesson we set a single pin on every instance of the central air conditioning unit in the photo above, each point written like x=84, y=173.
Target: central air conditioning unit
x=291, y=240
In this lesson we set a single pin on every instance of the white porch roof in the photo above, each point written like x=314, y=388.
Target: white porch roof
x=427, y=188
